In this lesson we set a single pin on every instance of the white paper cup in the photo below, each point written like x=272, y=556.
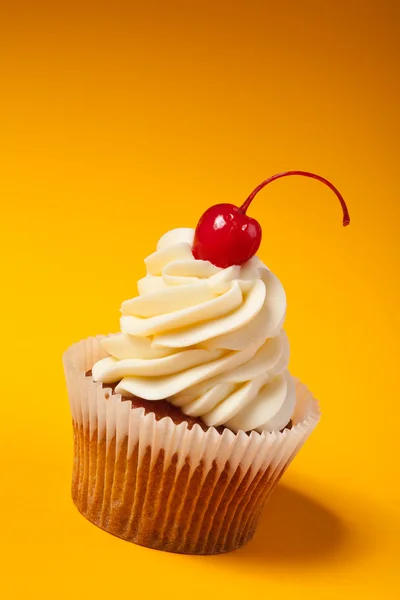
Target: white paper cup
x=166, y=486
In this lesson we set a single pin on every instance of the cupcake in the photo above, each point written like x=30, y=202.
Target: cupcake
x=186, y=419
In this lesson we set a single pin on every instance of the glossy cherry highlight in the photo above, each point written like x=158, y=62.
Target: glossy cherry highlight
x=226, y=235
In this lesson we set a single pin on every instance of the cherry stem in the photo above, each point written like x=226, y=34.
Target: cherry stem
x=346, y=216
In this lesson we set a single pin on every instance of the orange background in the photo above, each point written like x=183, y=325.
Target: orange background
x=120, y=121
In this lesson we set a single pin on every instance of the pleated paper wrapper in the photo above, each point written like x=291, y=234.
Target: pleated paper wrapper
x=166, y=486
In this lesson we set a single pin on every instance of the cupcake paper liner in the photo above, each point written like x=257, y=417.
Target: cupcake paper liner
x=166, y=486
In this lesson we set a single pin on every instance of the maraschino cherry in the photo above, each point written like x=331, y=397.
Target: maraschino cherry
x=226, y=236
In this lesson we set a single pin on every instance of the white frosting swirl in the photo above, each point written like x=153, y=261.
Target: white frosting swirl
x=208, y=340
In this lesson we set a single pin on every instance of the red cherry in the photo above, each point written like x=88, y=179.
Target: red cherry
x=226, y=236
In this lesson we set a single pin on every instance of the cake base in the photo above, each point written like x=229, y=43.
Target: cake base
x=140, y=501
x=159, y=481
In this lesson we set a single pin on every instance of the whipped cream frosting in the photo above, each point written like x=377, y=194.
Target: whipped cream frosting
x=206, y=339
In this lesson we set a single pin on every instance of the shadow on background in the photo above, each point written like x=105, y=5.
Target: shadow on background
x=296, y=528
